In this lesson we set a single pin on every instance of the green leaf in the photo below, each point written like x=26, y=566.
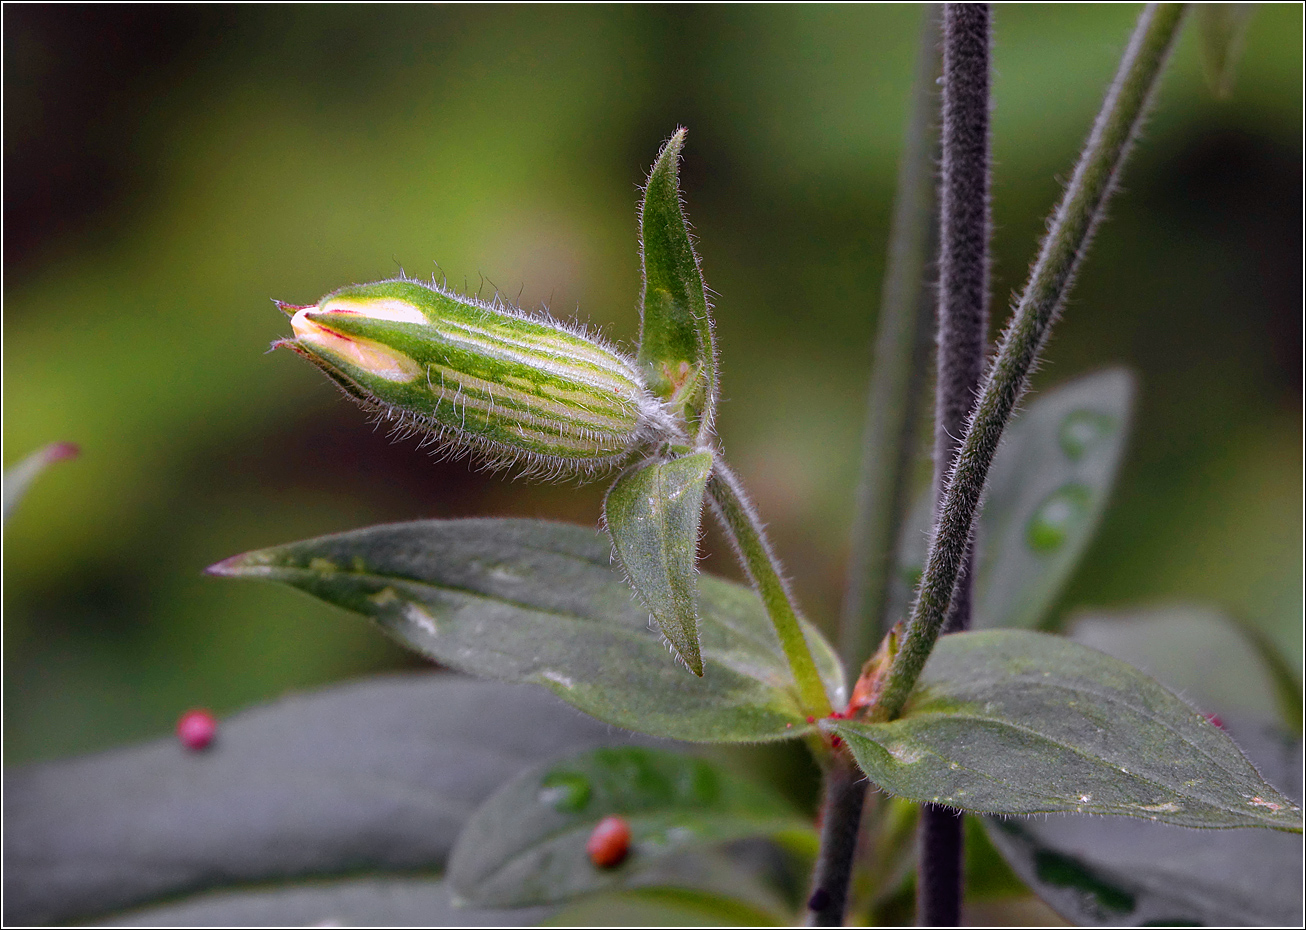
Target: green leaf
x=353, y=902
x=1223, y=27
x=653, y=513
x=676, y=350
x=377, y=776
x=529, y=601
x=1120, y=871
x=1046, y=491
x=527, y=844
x=19, y=478
x=1015, y=722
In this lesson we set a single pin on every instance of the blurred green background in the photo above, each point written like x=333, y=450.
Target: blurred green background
x=168, y=170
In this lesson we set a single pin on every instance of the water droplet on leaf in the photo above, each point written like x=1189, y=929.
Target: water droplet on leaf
x=566, y=792
x=1080, y=431
x=1060, y=513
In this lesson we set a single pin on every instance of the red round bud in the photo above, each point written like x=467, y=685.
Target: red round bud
x=196, y=729
x=609, y=843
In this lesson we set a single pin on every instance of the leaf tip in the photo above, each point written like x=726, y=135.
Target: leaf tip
x=687, y=652
x=60, y=451
x=233, y=567
x=669, y=155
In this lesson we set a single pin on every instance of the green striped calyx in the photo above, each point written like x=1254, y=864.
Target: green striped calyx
x=513, y=389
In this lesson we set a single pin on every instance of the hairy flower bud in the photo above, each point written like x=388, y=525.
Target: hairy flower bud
x=512, y=388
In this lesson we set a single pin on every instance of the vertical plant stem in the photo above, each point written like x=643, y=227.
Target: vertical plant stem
x=897, y=380
x=749, y=539
x=964, y=230
x=1069, y=232
x=841, y=816
x=963, y=327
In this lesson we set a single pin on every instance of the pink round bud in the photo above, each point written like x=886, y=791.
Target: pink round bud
x=196, y=729
x=609, y=843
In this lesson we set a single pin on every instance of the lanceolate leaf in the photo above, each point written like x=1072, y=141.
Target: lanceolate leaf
x=675, y=343
x=653, y=514
x=527, y=844
x=1124, y=872
x=1046, y=491
x=1016, y=722
x=529, y=601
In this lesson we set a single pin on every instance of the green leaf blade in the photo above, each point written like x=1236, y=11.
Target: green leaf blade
x=1015, y=722
x=1046, y=493
x=1050, y=482
x=676, y=348
x=653, y=514
x=536, y=602
x=526, y=844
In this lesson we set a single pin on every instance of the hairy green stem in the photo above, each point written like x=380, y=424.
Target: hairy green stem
x=746, y=534
x=1072, y=226
x=841, y=816
x=963, y=329
x=898, y=377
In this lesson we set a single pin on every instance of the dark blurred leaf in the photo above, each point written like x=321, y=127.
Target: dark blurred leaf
x=666, y=907
x=653, y=514
x=527, y=844
x=1014, y=722
x=676, y=350
x=1046, y=491
x=1199, y=653
x=19, y=478
x=988, y=877
x=1222, y=26
x=379, y=775
x=530, y=601
x=1124, y=872
x=355, y=902
x=1283, y=678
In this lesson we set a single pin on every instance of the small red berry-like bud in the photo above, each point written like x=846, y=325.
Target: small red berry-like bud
x=811, y=720
x=196, y=729
x=609, y=843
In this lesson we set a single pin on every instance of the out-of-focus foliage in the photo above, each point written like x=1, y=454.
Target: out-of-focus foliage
x=167, y=171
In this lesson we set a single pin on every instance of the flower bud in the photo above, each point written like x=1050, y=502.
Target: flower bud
x=481, y=378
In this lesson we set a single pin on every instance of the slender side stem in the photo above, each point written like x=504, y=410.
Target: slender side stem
x=1069, y=233
x=845, y=793
x=749, y=539
x=897, y=379
x=964, y=230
